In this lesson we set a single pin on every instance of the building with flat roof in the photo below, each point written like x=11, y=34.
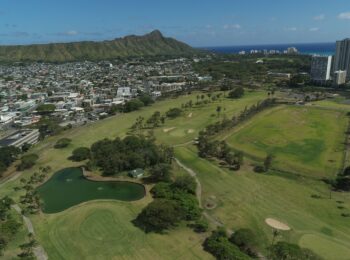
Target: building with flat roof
x=19, y=138
x=339, y=77
x=342, y=57
x=321, y=68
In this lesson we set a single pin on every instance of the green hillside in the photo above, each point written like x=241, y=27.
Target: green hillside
x=151, y=44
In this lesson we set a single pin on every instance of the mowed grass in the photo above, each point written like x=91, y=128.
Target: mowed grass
x=304, y=140
x=103, y=230
x=246, y=199
x=49, y=226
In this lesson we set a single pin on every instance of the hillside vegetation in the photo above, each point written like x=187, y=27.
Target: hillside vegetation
x=151, y=44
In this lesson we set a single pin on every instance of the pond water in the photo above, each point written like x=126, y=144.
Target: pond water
x=68, y=187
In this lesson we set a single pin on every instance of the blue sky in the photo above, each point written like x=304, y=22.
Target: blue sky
x=196, y=22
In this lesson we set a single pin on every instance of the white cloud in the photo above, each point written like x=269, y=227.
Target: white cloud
x=314, y=29
x=319, y=17
x=345, y=16
x=232, y=26
x=291, y=29
x=71, y=33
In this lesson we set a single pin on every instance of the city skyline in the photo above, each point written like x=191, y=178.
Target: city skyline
x=209, y=23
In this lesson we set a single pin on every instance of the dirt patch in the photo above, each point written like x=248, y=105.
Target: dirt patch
x=190, y=115
x=166, y=130
x=274, y=223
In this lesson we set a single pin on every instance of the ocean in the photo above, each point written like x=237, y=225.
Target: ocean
x=323, y=49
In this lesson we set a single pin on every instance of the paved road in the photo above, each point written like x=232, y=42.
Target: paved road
x=39, y=251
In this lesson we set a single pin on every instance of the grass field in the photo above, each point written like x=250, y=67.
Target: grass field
x=246, y=199
x=103, y=230
x=61, y=245
x=304, y=140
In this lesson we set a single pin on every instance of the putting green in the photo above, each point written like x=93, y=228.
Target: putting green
x=327, y=248
x=104, y=230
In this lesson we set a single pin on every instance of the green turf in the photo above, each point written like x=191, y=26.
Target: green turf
x=304, y=140
x=104, y=231
x=246, y=199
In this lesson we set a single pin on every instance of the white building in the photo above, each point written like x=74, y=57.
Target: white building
x=339, y=77
x=124, y=92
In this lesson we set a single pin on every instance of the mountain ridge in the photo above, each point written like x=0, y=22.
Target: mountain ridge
x=150, y=44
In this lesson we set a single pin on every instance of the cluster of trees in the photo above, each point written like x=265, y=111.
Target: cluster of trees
x=284, y=250
x=49, y=126
x=155, y=120
x=247, y=113
x=220, y=150
x=8, y=155
x=118, y=155
x=62, y=143
x=237, y=92
x=30, y=200
x=27, y=248
x=173, y=202
x=220, y=246
x=9, y=226
x=27, y=161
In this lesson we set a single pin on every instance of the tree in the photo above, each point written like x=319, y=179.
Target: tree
x=218, y=110
x=268, y=162
x=236, y=93
x=200, y=225
x=62, y=143
x=185, y=183
x=146, y=99
x=27, y=161
x=246, y=241
x=132, y=105
x=173, y=113
x=160, y=172
x=45, y=109
x=158, y=216
x=287, y=251
x=80, y=154
x=219, y=246
x=25, y=147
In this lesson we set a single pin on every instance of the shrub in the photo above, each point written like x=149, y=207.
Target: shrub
x=80, y=154
x=62, y=143
x=259, y=169
x=185, y=183
x=200, y=226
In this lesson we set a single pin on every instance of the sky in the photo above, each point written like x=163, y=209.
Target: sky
x=200, y=23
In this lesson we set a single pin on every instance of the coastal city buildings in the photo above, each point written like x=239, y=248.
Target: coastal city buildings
x=321, y=67
x=342, y=57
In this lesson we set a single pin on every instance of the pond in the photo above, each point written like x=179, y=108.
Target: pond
x=69, y=187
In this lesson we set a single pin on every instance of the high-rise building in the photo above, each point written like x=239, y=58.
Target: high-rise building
x=342, y=57
x=339, y=77
x=321, y=68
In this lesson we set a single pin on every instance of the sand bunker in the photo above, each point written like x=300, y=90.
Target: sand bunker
x=190, y=131
x=166, y=130
x=277, y=224
x=190, y=115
